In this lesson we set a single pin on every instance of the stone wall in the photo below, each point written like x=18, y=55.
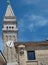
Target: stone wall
x=41, y=55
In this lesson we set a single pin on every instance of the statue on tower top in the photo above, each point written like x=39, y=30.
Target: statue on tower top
x=8, y=1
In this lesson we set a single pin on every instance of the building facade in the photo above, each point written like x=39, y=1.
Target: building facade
x=21, y=53
x=32, y=53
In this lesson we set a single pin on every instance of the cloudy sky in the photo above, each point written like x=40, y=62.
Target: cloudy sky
x=32, y=18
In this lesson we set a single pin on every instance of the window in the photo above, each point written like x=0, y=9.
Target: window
x=7, y=27
x=6, y=37
x=10, y=37
x=12, y=27
x=31, y=55
x=13, y=35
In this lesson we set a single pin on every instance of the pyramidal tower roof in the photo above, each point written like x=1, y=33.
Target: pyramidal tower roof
x=9, y=11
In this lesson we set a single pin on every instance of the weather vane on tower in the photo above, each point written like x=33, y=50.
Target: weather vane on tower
x=8, y=1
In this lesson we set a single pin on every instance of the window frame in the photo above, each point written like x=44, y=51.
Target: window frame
x=6, y=27
x=33, y=57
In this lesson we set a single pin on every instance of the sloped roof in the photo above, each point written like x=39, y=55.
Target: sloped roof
x=2, y=57
x=9, y=11
x=42, y=43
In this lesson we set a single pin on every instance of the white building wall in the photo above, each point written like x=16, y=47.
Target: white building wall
x=42, y=57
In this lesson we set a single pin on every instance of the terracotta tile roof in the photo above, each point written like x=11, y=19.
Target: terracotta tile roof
x=43, y=43
x=3, y=56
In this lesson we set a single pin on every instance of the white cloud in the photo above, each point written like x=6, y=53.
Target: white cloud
x=38, y=20
x=21, y=25
x=31, y=26
x=32, y=22
x=30, y=1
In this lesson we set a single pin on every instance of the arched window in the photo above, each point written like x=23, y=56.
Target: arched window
x=13, y=35
x=7, y=27
x=6, y=37
x=9, y=37
x=12, y=27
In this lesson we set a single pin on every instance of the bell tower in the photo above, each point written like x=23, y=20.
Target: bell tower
x=9, y=33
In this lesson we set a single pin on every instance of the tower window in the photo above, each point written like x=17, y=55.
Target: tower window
x=13, y=35
x=7, y=27
x=10, y=37
x=6, y=37
x=12, y=27
x=31, y=55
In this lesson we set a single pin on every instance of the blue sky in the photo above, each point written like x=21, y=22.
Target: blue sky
x=32, y=18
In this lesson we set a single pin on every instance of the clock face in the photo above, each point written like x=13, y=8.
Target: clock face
x=10, y=44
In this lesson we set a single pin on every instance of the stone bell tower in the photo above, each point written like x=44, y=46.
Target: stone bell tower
x=9, y=33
